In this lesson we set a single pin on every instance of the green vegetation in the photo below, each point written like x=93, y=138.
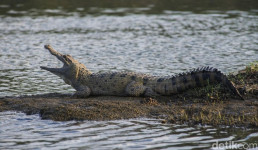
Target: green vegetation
x=252, y=67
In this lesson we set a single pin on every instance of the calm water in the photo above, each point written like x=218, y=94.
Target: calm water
x=156, y=37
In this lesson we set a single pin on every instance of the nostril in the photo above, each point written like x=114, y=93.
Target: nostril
x=47, y=46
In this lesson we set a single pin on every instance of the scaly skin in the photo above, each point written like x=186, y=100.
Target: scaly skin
x=87, y=83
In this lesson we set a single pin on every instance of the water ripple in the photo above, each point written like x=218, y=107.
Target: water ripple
x=19, y=131
x=162, y=44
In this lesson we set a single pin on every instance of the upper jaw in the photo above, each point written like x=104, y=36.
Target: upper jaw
x=58, y=56
x=55, y=53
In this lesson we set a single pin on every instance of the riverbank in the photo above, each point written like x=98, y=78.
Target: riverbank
x=212, y=105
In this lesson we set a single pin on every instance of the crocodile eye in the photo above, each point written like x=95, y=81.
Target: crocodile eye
x=66, y=57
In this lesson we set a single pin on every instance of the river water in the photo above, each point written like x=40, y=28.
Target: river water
x=148, y=36
x=19, y=131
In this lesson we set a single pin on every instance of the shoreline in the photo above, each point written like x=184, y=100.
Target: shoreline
x=59, y=107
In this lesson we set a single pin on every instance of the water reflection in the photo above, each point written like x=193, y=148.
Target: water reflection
x=18, y=130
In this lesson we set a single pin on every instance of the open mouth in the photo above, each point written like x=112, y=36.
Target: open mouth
x=59, y=56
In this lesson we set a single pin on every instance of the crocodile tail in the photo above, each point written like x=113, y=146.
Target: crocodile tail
x=222, y=78
x=197, y=78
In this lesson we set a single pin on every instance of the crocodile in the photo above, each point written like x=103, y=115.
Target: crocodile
x=87, y=83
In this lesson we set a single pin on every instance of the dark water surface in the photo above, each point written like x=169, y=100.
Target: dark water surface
x=150, y=36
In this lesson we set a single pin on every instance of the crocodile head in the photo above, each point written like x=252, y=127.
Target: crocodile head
x=69, y=71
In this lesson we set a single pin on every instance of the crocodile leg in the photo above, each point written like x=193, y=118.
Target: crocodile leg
x=83, y=92
x=135, y=89
x=138, y=89
x=150, y=93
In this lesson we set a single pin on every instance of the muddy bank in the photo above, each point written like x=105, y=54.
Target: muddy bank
x=62, y=108
x=213, y=105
